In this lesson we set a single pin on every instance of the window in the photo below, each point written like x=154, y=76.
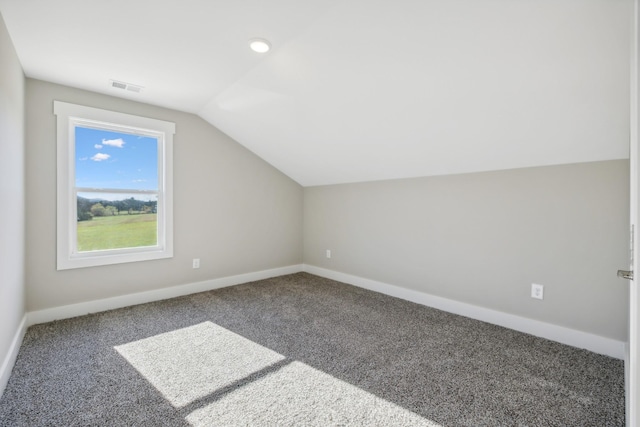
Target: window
x=114, y=187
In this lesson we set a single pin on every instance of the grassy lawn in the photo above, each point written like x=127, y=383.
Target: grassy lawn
x=115, y=232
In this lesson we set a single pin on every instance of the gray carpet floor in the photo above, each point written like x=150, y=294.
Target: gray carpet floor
x=302, y=350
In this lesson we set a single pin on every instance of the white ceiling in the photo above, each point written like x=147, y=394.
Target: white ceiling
x=358, y=90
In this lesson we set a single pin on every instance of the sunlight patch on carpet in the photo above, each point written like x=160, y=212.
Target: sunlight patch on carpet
x=297, y=394
x=232, y=381
x=191, y=363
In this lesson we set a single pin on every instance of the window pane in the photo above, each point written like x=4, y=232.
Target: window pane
x=116, y=221
x=109, y=159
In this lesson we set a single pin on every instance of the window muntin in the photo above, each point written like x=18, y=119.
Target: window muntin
x=114, y=187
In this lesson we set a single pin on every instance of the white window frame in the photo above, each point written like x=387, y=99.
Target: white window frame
x=68, y=117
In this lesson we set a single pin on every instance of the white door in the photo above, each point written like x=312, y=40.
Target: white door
x=633, y=355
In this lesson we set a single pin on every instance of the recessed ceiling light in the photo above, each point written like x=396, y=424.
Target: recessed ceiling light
x=259, y=45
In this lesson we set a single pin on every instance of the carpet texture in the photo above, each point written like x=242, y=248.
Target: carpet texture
x=302, y=350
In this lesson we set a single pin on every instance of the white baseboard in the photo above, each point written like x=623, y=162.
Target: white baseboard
x=549, y=331
x=73, y=310
x=560, y=334
x=10, y=359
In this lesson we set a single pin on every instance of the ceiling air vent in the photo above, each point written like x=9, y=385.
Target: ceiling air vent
x=126, y=86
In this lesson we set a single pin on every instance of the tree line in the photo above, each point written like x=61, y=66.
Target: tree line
x=89, y=208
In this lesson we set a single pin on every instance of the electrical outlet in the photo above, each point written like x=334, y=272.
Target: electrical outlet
x=196, y=263
x=537, y=291
x=328, y=253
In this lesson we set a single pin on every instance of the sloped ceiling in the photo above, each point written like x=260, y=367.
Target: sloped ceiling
x=358, y=90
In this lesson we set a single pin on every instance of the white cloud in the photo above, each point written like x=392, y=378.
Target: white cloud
x=82, y=159
x=139, y=180
x=97, y=146
x=113, y=142
x=100, y=157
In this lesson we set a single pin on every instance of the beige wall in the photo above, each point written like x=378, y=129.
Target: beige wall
x=232, y=210
x=12, y=293
x=483, y=238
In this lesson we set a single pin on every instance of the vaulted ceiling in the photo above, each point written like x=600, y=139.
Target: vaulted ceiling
x=358, y=90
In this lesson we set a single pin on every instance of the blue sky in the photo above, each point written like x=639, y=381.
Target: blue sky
x=106, y=159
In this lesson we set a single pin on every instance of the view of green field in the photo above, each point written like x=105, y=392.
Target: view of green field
x=116, y=232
